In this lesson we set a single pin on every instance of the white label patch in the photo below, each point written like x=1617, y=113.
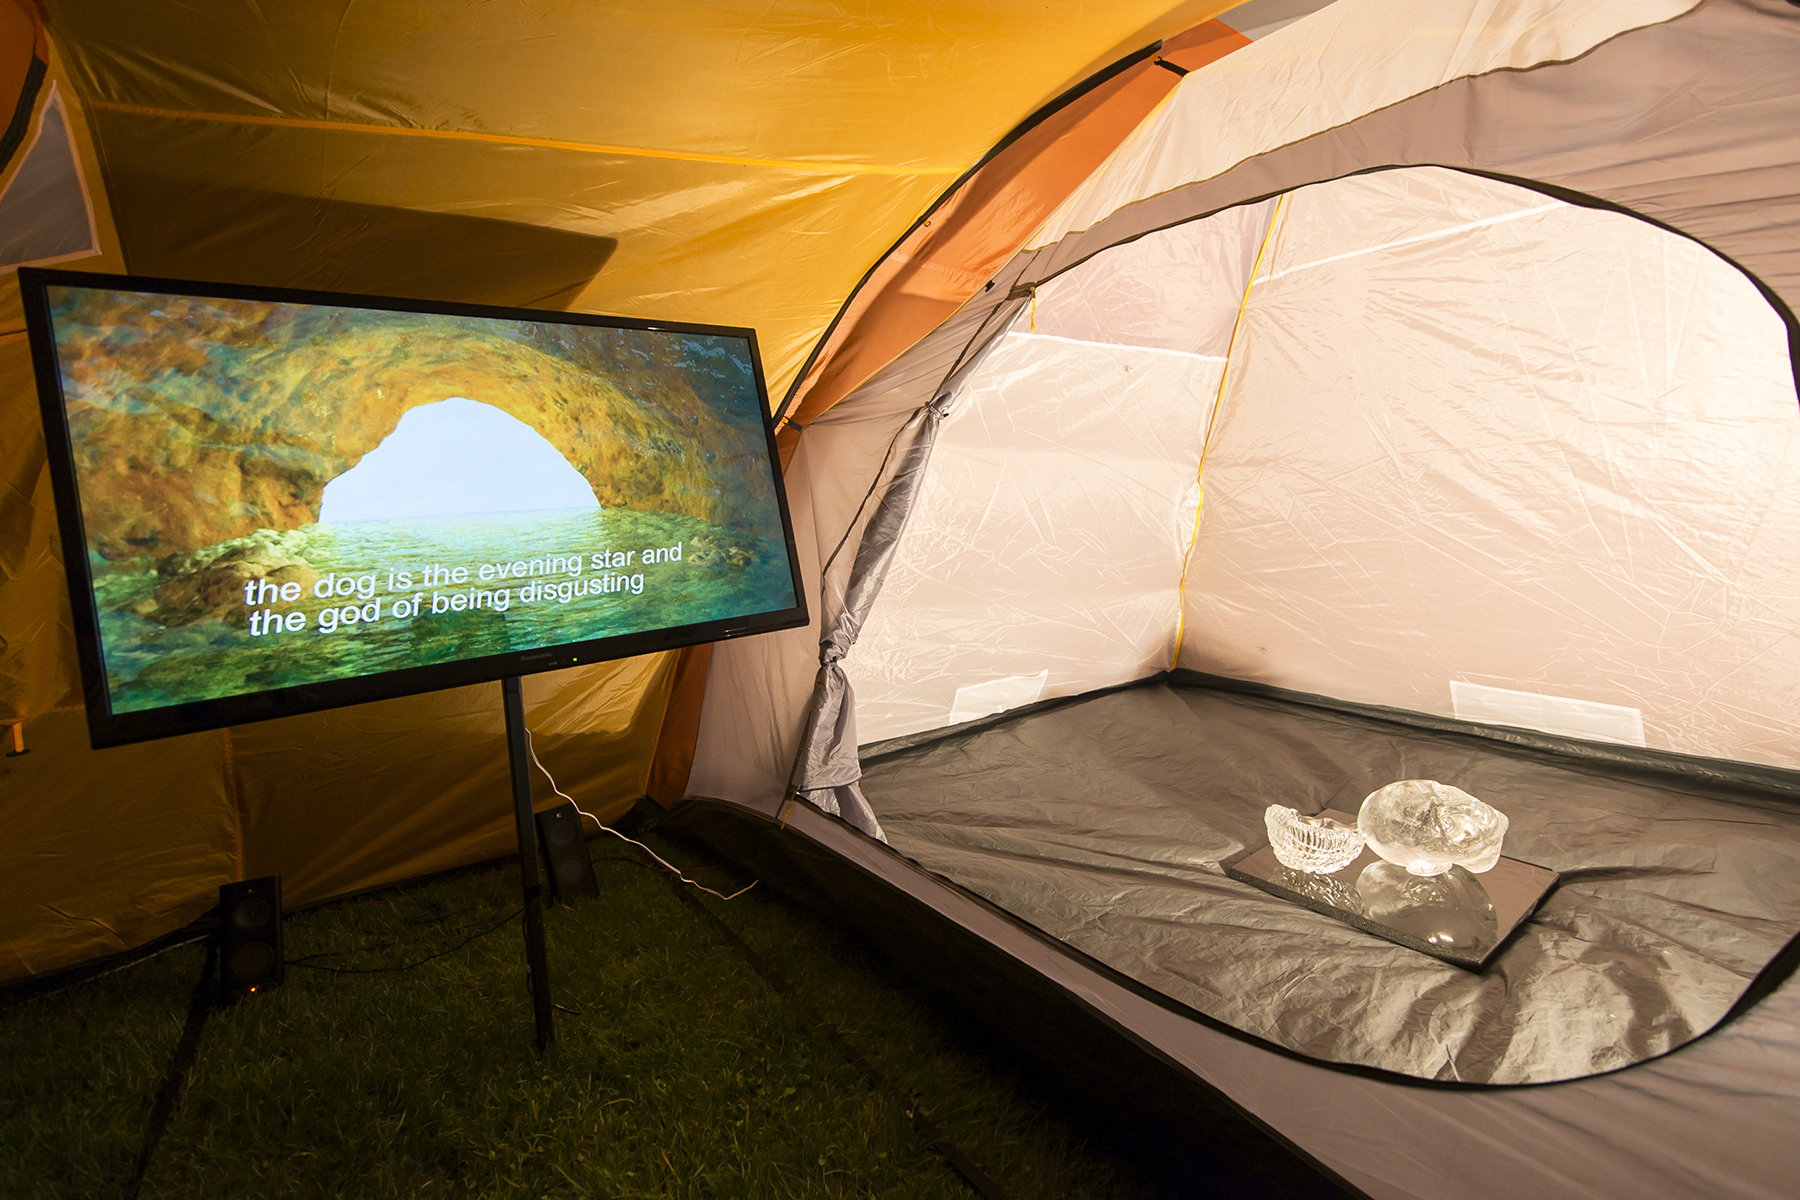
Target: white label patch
x=1582, y=719
x=996, y=695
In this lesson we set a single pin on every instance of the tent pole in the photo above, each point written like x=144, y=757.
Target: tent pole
x=519, y=754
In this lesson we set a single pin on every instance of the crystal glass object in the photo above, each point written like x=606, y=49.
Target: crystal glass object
x=1318, y=845
x=1429, y=827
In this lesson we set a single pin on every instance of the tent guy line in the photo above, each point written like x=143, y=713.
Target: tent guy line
x=504, y=139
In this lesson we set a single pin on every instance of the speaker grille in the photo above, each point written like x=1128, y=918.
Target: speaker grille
x=565, y=849
x=250, y=950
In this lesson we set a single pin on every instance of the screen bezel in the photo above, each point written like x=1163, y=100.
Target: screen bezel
x=107, y=728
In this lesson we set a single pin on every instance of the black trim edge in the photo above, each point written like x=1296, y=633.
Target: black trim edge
x=21, y=118
x=1774, y=781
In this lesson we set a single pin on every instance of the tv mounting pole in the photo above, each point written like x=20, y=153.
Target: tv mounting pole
x=518, y=749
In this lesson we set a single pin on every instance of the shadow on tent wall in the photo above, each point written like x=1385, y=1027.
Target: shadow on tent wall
x=228, y=234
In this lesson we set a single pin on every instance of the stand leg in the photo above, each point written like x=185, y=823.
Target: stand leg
x=519, y=754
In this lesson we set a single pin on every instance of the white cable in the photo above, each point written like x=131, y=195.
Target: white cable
x=605, y=828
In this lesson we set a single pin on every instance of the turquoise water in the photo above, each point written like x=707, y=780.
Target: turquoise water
x=550, y=578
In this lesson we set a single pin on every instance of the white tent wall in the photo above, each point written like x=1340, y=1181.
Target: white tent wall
x=1044, y=556
x=1342, y=63
x=1471, y=435
x=1309, y=77
x=1474, y=436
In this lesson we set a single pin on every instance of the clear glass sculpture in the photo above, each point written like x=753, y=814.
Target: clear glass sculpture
x=1429, y=827
x=1316, y=844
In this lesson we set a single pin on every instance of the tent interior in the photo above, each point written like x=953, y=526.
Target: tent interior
x=1469, y=453
x=1184, y=409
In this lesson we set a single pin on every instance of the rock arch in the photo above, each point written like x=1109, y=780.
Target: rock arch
x=215, y=439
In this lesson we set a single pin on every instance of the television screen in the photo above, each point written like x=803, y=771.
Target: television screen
x=276, y=501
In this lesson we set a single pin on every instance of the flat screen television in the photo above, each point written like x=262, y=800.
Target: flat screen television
x=275, y=501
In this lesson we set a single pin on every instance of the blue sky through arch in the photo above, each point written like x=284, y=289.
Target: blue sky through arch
x=456, y=457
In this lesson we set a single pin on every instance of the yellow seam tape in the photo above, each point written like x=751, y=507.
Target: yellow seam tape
x=500, y=139
x=1212, y=420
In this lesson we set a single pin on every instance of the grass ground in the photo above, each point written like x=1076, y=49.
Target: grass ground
x=679, y=1072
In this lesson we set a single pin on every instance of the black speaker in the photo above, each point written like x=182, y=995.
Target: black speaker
x=566, y=861
x=250, y=951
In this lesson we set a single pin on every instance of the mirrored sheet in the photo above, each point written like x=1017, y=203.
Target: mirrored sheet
x=1459, y=917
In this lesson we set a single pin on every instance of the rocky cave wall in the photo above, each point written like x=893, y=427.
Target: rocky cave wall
x=198, y=421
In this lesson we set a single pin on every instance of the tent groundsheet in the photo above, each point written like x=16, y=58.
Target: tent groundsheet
x=1104, y=821
x=1714, y=1119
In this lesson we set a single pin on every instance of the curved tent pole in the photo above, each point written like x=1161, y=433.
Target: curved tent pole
x=984, y=217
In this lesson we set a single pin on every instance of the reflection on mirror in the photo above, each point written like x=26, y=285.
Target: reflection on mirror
x=1451, y=911
x=1327, y=889
x=1450, y=915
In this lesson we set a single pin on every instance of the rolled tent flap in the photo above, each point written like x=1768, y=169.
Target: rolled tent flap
x=827, y=768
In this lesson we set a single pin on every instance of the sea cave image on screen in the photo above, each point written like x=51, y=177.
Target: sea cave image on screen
x=281, y=494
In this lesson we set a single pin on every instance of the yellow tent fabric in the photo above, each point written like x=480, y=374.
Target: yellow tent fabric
x=749, y=161
x=738, y=164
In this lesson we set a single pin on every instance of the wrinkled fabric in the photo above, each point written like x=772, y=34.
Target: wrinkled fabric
x=1104, y=822
x=827, y=768
x=708, y=163
x=1325, y=72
